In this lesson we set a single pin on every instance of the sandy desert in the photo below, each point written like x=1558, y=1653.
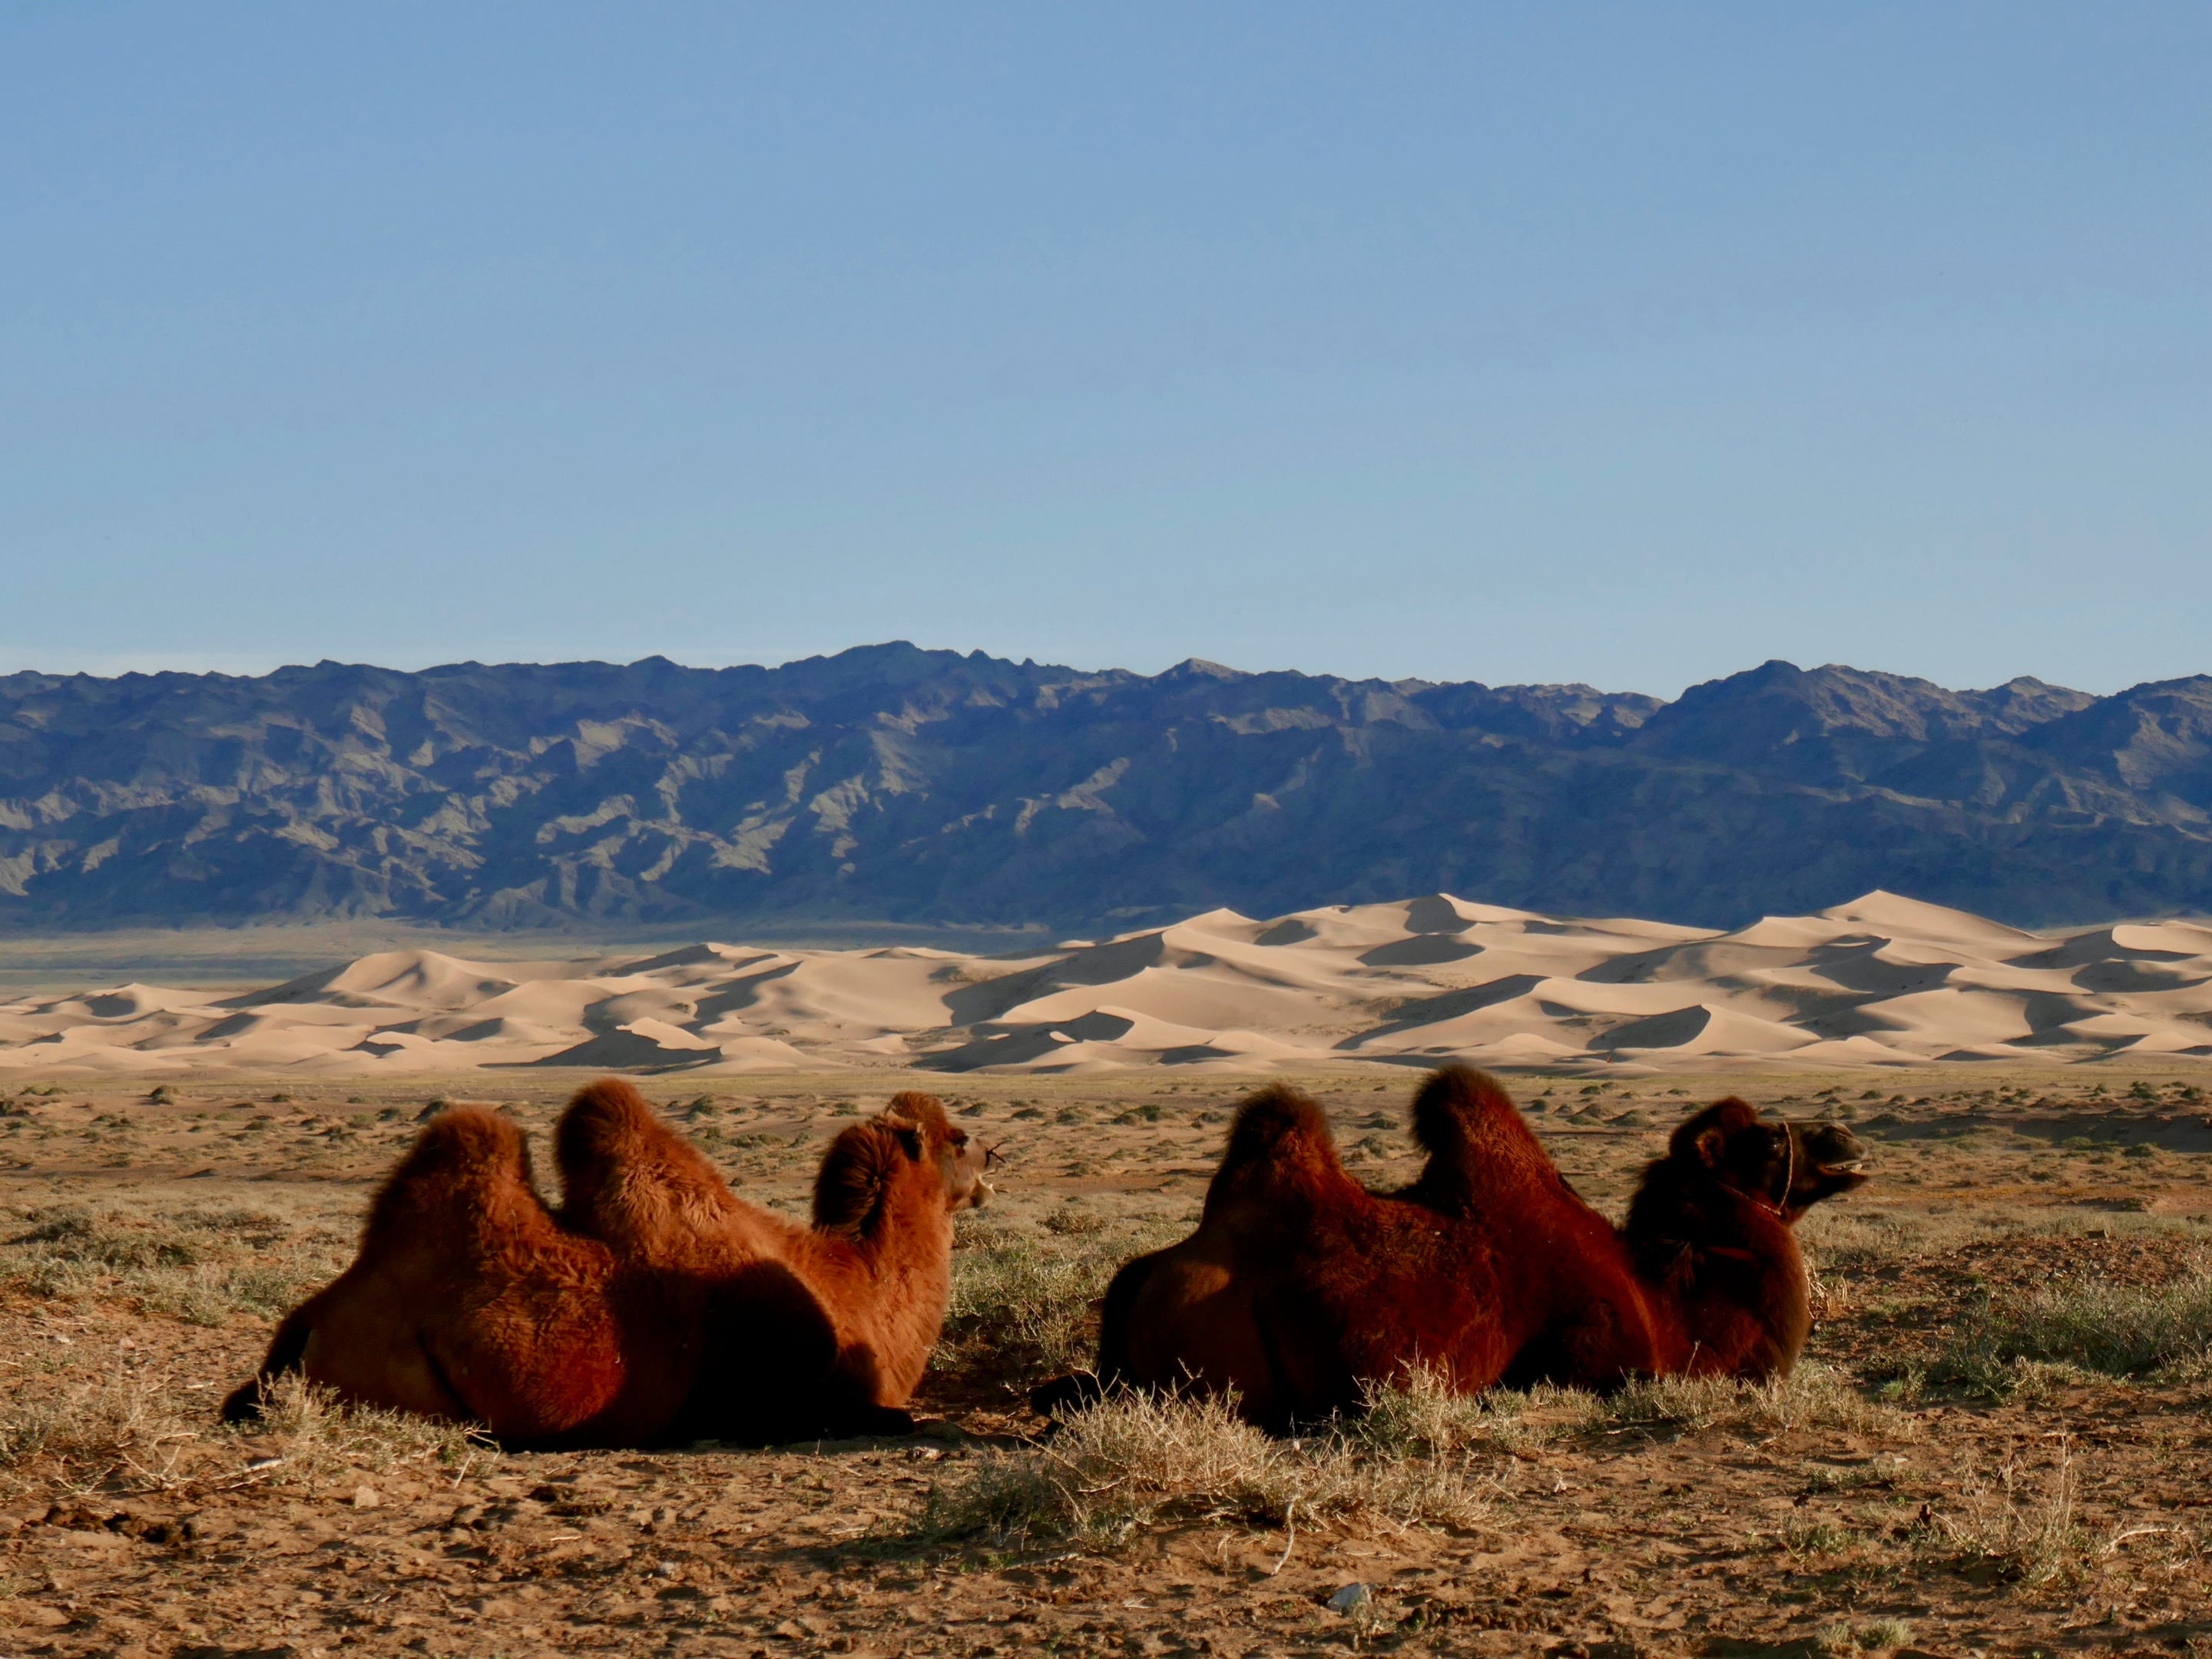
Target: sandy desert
x=1880, y=981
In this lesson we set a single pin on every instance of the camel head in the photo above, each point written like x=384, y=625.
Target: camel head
x=1784, y=1165
x=960, y=1160
x=909, y=1146
x=1831, y=1160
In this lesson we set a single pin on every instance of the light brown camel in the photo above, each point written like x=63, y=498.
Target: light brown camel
x=1299, y=1285
x=655, y=1306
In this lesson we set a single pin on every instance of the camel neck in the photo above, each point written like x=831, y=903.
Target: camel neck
x=894, y=1274
x=1726, y=1269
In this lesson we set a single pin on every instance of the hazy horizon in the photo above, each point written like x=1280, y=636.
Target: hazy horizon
x=1075, y=668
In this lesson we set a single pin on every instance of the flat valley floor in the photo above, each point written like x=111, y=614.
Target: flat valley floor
x=1998, y=1443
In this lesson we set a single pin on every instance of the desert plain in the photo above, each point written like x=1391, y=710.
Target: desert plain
x=1997, y=1442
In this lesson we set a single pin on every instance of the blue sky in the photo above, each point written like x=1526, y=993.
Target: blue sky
x=1631, y=344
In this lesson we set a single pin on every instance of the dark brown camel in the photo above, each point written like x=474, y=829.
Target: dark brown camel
x=1299, y=1285
x=655, y=1306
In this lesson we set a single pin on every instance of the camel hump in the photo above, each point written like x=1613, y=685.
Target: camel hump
x=629, y=1180
x=1462, y=1114
x=469, y=1167
x=469, y=1141
x=1280, y=1150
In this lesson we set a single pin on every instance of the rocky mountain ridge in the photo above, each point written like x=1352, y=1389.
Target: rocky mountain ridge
x=893, y=783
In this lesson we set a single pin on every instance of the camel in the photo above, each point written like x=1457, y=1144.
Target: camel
x=1299, y=1285
x=655, y=1306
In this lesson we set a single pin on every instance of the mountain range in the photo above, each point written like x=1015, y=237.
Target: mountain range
x=893, y=784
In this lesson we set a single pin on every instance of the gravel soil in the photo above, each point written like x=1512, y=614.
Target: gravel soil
x=1934, y=1495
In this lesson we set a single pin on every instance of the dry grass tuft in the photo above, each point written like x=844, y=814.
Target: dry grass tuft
x=122, y=1430
x=320, y=1443
x=1134, y=1459
x=1023, y=1301
x=1422, y=1415
x=1410, y=1456
x=2113, y=1330
x=200, y=1265
x=1876, y=1636
x=1812, y=1396
x=2022, y=1520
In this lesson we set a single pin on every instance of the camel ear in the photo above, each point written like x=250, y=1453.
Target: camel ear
x=1711, y=1144
x=904, y=1123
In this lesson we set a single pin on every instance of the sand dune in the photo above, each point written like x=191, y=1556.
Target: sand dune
x=1880, y=981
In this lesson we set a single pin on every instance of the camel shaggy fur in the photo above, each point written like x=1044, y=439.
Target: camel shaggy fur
x=655, y=1306
x=1299, y=1285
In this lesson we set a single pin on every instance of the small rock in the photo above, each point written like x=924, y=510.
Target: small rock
x=1351, y=1596
x=666, y=1570
x=790, y=1630
x=366, y=1496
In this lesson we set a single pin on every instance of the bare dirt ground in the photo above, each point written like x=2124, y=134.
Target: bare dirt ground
x=1998, y=1443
